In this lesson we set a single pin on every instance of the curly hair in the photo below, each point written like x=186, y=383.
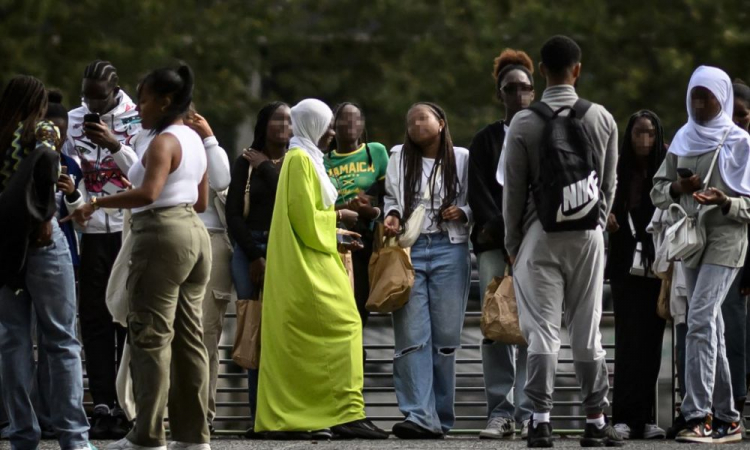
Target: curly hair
x=508, y=61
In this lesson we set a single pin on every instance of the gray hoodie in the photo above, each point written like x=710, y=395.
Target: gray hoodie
x=522, y=161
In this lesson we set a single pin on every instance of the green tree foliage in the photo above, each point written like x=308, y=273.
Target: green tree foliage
x=383, y=54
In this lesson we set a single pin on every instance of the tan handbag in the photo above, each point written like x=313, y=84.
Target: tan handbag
x=499, y=320
x=665, y=295
x=246, y=350
x=246, y=205
x=391, y=275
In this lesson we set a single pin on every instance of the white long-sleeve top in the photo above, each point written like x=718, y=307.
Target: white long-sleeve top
x=219, y=176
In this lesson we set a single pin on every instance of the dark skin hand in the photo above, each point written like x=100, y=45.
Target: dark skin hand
x=254, y=157
x=362, y=204
x=711, y=196
x=348, y=217
x=612, y=225
x=258, y=272
x=100, y=135
x=44, y=235
x=65, y=184
x=352, y=246
x=687, y=185
x=393, y=223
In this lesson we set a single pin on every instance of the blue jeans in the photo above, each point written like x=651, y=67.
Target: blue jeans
x=51, y=291
x=428, y=332
x=502, y=374
x=734, y=312
x=245, y=290
x=707, y=377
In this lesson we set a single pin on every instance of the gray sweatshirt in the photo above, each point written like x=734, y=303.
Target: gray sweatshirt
x=523, y=142
x=725, y=234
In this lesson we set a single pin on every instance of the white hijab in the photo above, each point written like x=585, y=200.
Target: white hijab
x=695, y=139
x=310, y=120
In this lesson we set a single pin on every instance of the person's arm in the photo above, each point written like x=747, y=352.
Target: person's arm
x=609, y=175
x=219, y=175
x=202, y=203
x=463, y=193
x=77, y=198
x=662, y=194
x=125, y=158
x=236, y=223
x=390, y=200
x=316, y=228
x=487, y=213
x=516, y=189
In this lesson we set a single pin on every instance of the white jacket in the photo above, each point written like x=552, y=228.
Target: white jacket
x=458, y=232
x=102, y=171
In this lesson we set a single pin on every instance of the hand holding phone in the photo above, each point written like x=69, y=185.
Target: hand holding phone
x=92, y=118
x=684, y=173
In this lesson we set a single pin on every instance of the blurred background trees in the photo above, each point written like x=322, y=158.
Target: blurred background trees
x=382, y=54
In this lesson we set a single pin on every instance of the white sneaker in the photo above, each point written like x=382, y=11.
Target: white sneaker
x=651, y=431
x=188, y=446
x=525, y=429
x=623, y=430
x=125, y=444
x=498, y=428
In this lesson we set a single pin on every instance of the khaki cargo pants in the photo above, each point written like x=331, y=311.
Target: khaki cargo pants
x=169, y=269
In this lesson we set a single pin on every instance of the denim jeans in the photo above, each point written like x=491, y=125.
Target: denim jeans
x=502, y=373
x=707, y=378
x=734, y=312
x=51, y=291
x=245, y=290
x=428, y=332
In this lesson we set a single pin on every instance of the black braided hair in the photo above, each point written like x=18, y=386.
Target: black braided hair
x=411, y=160
x=176, y=83
x=101, y=71
x=334, y=144
x=23, y=100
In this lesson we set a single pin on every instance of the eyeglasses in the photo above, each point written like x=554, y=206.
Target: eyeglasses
x=513, y=88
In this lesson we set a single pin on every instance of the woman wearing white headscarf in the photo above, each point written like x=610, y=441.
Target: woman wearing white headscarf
x=709, y=273
x=311, y=374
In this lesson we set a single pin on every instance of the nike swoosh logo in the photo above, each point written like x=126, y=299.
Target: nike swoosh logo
x=579, y=215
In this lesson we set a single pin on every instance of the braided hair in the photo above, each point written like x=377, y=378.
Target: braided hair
x=101, y=71
x=363, y=137
x=508, y=61
x=411, y=160
x=24, y=100
x=261, y=125
x=176, y=83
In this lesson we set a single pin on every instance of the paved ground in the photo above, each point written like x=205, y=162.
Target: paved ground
x=459, y=443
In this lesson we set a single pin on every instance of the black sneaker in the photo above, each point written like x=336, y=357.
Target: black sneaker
x=540, y=435
x=120, y=426
x=101, y=422
x=726, y=432
x=410, y=430
x=593, y=436
x=48, y=433
x=359, y=429
x=321, y=435
x=678, y=425
x=697, y=430
x=251, y=434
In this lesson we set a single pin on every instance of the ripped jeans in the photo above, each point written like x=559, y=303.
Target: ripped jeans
x=428, y=332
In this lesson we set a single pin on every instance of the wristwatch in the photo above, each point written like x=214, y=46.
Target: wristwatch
x=94, y=203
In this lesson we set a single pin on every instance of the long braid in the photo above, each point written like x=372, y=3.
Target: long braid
x=23, y=103
x=412, y=168
x=101, y=71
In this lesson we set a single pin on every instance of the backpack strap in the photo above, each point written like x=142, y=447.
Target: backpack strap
x=542, y=109
x=581, y=107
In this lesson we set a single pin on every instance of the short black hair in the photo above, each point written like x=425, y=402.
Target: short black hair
x=559, y=54
x=55, y=108
x=741, y=90
x=176, y=83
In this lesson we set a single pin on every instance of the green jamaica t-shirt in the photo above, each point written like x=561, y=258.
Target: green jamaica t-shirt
x=350, y=173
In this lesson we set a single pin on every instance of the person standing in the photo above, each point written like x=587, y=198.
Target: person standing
x=357, y=169
x=249, y=226
x=639, y=331
x=170, y=265
x=36, y=275
x=562, y=268
x=311, y=374
x=428, y=170
x=709, y=144
x=101, y=145
x=219, y=288
x=507, y=404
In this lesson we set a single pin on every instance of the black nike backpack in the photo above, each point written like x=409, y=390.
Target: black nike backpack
x=566, y=192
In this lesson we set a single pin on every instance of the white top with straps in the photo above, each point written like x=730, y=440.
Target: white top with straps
x=181, y=186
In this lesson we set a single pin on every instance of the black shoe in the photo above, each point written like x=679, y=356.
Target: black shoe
x=101, y=423
x=540, y=435
x=251, y=434
x=678, y=425
x=211, y=429
x=321, y=435
x=318, y=435
x=359, y=429
x=410, y=430
x=120, y=426
x=593, y=436
x=48, y=434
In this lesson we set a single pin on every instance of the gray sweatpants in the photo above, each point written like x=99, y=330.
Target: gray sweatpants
x=551, y=271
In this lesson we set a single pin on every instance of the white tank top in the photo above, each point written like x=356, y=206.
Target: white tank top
x=182, y=185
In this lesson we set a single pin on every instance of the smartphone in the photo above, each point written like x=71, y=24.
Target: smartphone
x=347, y=239
x=92, y=118
x=684, y=173
x=64, y=170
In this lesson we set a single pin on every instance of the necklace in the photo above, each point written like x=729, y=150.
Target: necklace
x=277, y=161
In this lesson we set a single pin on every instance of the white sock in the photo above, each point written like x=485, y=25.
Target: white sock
x=599, y=421
x=541, y=418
